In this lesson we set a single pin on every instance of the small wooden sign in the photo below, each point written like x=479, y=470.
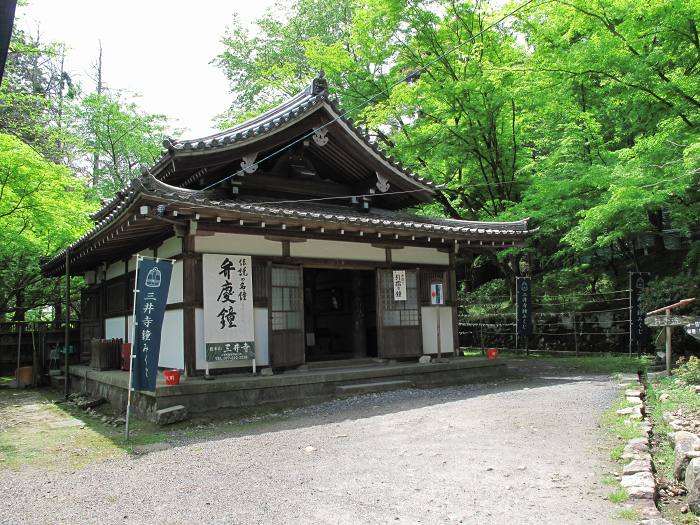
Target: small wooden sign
x=693, y=329
x=230, y=351
x=668, y=320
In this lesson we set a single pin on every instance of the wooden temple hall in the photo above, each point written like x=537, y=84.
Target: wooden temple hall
x=316, y=206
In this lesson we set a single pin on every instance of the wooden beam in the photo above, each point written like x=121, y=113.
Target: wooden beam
x=189, y=299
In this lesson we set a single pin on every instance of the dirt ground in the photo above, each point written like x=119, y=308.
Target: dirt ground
x=522, y=451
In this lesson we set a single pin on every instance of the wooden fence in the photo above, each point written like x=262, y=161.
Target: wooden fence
x=34, y=343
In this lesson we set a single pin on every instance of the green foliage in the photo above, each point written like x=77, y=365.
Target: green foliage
x=121, y=137
x=43, y=207
x=582, y=116
x=688, y=373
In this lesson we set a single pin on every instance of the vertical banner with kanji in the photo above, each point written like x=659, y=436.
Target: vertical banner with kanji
x=152, y=284
x=229, y=329
x=399, y=285
x=639, y=332
x=523, y=306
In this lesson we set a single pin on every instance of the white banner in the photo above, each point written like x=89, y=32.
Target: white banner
x=399, y=285
x=228, y=307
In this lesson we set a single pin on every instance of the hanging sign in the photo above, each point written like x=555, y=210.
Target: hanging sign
x=693, y=329
x=668, y=320
x=229, y=331
x=399, y=285
x=436, y=294
x=523, y=306
x=151, y=297
x=639, y=333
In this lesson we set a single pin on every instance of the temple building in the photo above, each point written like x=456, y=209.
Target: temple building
x=339, y=271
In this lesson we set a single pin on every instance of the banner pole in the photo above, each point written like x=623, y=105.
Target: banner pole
x=133, y=341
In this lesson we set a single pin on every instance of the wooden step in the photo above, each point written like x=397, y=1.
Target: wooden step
x=377, y=386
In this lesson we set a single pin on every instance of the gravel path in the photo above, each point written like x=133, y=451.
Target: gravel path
x=523, y=451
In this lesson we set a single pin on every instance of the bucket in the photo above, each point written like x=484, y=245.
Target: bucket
x=172, y=377
x=491, y=353
x=24, y=376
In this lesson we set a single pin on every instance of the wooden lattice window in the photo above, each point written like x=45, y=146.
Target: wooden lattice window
x=400, y=313
x=286, y=299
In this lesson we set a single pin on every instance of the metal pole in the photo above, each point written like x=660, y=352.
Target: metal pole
x=481, y=336
x=668, y=344
x=629, y=313
x=133, y=341
x=66, y=379
x=439, y=346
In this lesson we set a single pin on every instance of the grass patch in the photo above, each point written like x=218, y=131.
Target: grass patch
x=619, y=427
x=629, y=514
x=607, y=364
x=4, y=380
x=619, y=495
x=610, y=481
x=603, y=364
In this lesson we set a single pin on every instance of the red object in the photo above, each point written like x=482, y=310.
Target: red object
x=491, y=353
x=172, y=377
x=126, y=356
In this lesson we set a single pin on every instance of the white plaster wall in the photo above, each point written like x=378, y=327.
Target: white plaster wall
x=357, y=251
x=175, y=290
x=237, y=244
x=172, y=340
x=132, y=261
x=170, y=247
x=114, y=328
x=429, y=328
x=262, y=358
x=115, y=270
x=415, y=254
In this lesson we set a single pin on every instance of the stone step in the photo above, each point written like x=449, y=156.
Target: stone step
x=341, y=363
x=57, y=381
x=377, y=386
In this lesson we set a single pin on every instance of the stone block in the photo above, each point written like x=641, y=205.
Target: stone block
x=687, y=444
x=633, y=392
x=424, y=359
x=170, y=415
x=90, y=402
x=692, y=484
x=640, y=485
x=635, y=466
x=267, y=371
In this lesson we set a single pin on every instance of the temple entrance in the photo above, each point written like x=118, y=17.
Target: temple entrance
x=339, y=314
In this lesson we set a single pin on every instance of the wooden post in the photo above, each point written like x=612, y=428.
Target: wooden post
x=359, y=329
x=189, y=292
x=668, y=344
x=19, y=350
x=66, y=336
x=573, y=319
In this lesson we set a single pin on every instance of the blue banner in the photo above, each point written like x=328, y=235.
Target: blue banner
x=152, y=284
x=523, y=306
x=639, y=332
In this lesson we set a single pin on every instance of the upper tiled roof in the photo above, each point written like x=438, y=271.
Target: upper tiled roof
x=311, y=99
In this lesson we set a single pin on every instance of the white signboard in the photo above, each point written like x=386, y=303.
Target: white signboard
x=399, y=285
x=436, y=294
x=228, y=307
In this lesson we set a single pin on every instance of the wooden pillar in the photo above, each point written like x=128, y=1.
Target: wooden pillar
x=189, y=298
x=359, y=325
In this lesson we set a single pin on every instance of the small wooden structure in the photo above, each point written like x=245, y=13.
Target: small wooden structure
x=316, y=205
